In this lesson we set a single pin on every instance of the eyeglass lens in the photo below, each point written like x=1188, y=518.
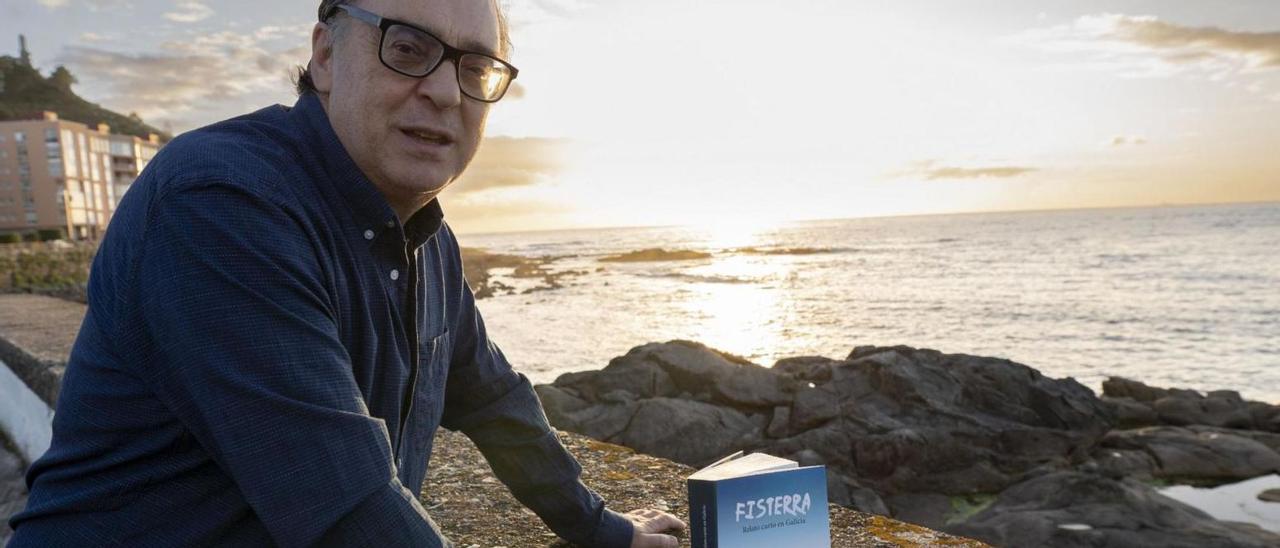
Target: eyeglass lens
x=414, y=53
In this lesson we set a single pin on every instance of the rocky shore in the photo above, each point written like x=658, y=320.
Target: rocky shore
x=477, y=264
x=472, y=507
x=980, y=447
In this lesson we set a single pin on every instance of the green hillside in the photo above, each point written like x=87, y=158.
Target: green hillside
x=24, y=91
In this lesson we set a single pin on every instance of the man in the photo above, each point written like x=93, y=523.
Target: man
x=278, y=322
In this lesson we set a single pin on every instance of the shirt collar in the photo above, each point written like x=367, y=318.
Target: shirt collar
x=369, y=208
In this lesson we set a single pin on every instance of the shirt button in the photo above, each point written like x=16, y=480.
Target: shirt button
x=391, y=224
x=395, y=274
x=368, y=234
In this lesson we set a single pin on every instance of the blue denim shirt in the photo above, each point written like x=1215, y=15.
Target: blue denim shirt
x=266, y=357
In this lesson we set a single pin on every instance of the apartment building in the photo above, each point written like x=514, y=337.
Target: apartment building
x=129, y=155
x=62, y=175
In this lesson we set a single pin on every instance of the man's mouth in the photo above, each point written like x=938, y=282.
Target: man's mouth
x=428, y=136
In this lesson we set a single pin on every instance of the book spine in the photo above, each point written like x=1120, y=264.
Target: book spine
x=702, y=514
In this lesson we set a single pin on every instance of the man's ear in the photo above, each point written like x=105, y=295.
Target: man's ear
x=321, y=64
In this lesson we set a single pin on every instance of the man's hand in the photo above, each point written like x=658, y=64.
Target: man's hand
x=650, y=524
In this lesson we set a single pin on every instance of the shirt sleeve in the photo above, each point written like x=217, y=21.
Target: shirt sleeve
x=498, y=409
x=244, y=350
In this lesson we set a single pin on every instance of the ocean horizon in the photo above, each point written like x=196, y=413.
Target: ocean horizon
x=1174, y=296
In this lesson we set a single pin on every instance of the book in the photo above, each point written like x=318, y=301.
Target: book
x=759, y=501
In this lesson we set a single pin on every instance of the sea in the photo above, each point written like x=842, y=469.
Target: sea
x=1173, y=296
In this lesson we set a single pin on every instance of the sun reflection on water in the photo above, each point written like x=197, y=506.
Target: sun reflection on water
x=743, y=311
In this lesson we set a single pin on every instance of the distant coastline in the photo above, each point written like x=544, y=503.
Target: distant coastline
x=464, y=233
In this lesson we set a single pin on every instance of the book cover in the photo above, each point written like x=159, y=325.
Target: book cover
x=759, y=501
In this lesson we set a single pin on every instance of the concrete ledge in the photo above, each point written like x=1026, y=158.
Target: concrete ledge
x=474, y=509
x=24, y=418
x=36, y=335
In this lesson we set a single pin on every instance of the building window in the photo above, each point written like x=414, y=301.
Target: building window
x=51, y=135
x=84, y=152
x=19, y=137
x=31, y=218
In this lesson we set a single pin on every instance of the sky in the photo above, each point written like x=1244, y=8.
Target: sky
x=747, y=112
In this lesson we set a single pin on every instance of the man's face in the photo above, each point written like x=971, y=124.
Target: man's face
x=379, y=115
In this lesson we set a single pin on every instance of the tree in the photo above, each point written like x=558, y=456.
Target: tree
x=62, y=78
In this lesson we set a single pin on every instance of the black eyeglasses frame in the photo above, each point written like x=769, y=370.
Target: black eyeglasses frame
x=450, y=53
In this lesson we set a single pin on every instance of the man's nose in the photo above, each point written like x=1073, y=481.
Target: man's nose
x=441, y=86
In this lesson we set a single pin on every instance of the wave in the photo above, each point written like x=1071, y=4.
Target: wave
x=702, y=278
x=785, y=250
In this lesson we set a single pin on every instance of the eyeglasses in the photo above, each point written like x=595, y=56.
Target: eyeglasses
x=414, y=52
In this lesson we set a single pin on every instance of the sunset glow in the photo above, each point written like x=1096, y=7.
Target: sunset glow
x=709, y=113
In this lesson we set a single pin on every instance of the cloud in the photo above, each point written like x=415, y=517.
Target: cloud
x=1144, y=45
x=1181, y=44
x=54, y=4
x=1000, y=172
x=504, y=162
x=103, y=5
x=185, y=79
x=931, y=171
x=1122, y=140
x=191, y=12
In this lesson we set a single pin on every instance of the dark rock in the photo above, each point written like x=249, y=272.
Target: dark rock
x=655, y=254
x=815, y=369
x=607, y=422
x=1268, y=439
x=1224, y=409
x=808, y=457
x=924, y=421
x=832, y=442
x=760, y=421
x=1265, y=417
x=846, y=491
x=1119, y=387
x=913, y=431
x=558, y=402
x=925, y=509
x=813, y=407
x=685, y=431
x=1074, y=509
x=1122, y=463
x=1207, y=456
x=780, y=424
x=729, y=379
x=959, y=424
x=1270, y=495
x=1180, y=407
x=643, y=378
x=1130, y=413
x=618, y=396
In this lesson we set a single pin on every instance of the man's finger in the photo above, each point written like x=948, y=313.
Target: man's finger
x=656, y=541
x=661, y=522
